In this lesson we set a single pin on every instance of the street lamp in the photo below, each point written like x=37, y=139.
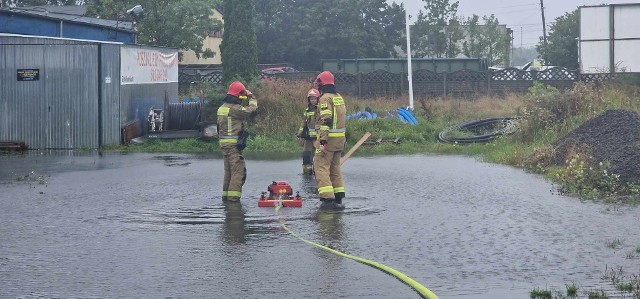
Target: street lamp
x=135, y=12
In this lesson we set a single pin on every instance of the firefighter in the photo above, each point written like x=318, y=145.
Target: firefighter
x=233, y=138
x=307, y=133
x=330, y=123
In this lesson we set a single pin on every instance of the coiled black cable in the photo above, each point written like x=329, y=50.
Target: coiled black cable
x=507, y=127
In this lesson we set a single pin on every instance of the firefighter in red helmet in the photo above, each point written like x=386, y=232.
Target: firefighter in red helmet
x=331, y=126
x=307, y=133
x=233, y=138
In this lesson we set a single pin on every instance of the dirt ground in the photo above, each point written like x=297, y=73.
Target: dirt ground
x=613, y=136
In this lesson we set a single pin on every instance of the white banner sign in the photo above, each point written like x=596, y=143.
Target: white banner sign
x=147, y=66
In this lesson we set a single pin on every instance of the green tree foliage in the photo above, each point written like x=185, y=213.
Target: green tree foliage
x=488, y=40
x=305, y=32
x=181, y=24
x=562, y=48
x=430, y=36
x=239, y=50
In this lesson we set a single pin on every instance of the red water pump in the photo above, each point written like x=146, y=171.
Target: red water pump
x=280, y=192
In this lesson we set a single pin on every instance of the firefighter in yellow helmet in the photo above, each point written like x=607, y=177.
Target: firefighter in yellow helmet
x=233, y=138
x=330, y=123
x=307, y=133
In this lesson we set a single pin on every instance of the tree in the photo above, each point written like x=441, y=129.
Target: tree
x=562, y=48
x=430, y=33
x=239, y=50
x=305, y=32
x=181, y=24
x=488, y=40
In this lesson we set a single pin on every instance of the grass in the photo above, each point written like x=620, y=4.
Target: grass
x=544, y=115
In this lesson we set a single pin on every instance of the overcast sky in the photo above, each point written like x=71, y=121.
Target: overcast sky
x=522, y=16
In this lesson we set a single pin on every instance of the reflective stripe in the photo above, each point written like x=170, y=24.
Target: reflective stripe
x=324, y=128
x=338, y=101
x=225, y=193
x=223, y=111
x=312, y=113
x=325, y=112
x=253, y=102
x=234, y=193
x=318, y=151
x=313, y=134
x=325, y=189
x=229, y=137
x=228, y=141
x=338, y=130
x=336, y=135
x=338, y=189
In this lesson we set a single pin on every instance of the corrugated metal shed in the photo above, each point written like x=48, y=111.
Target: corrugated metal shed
x=67, y=94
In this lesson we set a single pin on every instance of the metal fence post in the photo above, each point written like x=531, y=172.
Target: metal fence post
x=359, y=85
x=444, y=81
x=489, y=77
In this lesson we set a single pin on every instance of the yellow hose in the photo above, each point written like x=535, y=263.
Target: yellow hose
x=422, y=290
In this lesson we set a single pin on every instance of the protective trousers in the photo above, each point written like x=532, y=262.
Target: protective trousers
x=307, y=157
x=328, y=173
x=235, y=172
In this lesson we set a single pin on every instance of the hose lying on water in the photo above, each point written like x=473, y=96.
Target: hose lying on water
x=422, y=290
x=507, y=127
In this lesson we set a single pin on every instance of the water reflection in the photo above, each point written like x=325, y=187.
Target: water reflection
x=234, y=223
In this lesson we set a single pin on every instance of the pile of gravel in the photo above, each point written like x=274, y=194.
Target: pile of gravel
x=613, y=136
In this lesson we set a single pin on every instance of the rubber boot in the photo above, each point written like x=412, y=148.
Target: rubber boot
x=329, y=204
x=307, y=169
x=339, y=196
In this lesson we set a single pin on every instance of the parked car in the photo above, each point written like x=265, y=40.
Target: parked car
x=277, y=70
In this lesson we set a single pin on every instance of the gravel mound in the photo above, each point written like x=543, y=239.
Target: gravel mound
x=613, y=136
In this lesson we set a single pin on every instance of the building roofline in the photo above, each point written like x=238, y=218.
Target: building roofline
x=70, y=18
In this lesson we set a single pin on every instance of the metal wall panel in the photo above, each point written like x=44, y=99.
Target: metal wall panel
x=626, y=55
x=609, y=32
x=110, y=90
x=626, y=21
x=594, y=56
x=60, y=109
x=71, y=92
x=594, y=23
x=23, y=112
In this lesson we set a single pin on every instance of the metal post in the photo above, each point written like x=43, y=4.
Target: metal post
x=544, y=27
x=409, y=71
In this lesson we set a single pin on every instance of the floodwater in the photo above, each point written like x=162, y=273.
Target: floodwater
x=83, y=225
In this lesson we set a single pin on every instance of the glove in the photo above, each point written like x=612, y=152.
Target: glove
x=300, y=141
x=323, y=145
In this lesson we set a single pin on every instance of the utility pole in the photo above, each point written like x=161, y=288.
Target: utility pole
x=544, y=26
x=409, y=71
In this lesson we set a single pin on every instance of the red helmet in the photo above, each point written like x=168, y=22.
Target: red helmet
x=236, y=88
x=313, y=93
x=324, y=78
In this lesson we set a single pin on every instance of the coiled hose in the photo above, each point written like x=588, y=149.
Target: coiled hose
x=507, y=122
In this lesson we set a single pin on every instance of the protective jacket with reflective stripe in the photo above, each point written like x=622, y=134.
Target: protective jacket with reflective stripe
x=331, y=121
x=231, y=117
x=309, y=124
